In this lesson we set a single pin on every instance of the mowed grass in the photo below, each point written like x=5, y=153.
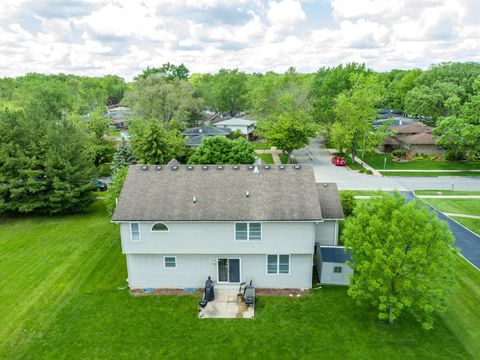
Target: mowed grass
x=63, y=295
x=266, y=158
x=472, y=224
x=457, y=206
x=376, y=161
x=260, y=145
x=446, y=192
x=430, y=174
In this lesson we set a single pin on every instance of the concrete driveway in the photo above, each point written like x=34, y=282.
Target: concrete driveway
x=319, y=158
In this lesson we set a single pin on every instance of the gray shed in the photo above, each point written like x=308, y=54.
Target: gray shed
x=330, y=262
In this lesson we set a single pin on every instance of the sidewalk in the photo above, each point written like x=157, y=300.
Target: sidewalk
x=427, y=171
x=463, y=215
x=448, y=196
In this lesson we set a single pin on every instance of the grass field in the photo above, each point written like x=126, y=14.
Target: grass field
x=457, y=206
x=64, y=295
x=430, y=174
x=377, y=160
x=446, y=192
x=472, y=224
x=260, y=145
x=266, y=158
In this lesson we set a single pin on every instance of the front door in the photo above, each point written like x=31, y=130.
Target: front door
x=228, y=270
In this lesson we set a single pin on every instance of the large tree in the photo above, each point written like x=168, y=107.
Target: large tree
x=401, y=256
x=152, y=143
x=221, y=150
x=122, y=157
x=169, y=71
x=45, y=166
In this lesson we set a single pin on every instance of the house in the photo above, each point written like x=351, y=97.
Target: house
x=245, y=126
x=415, y=138
x=197, y=134
x=119, y=116
x=180, y=224
x=331, y=265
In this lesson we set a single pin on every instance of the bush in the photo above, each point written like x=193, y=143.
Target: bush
x=400, y=153
x=454, y=155
x=115, y=189
x=348, y=202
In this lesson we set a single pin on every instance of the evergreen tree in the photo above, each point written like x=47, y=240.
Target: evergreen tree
x=123, y=156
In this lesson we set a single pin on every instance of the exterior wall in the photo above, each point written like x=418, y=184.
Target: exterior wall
x=326, y=233
x=243, y=129
x=328, y=276
x=218, y=238
x=424, y=150
x=193, y=270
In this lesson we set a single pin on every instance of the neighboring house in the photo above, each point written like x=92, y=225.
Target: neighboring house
x=331, y=265
x=180, y=224
x=197, y=134
x=245, y=126
x=119, y=116
x=415, y=138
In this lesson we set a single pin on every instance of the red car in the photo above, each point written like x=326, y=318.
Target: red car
x=338, y=161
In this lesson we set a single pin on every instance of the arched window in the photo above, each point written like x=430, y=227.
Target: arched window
x=159, y=227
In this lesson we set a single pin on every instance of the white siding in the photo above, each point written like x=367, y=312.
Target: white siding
x=218, y=238
x=326, y=233
x=192, y=271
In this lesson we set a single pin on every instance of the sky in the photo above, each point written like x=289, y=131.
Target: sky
x=122, y=37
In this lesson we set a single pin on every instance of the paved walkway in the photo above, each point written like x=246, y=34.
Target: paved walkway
x=463, y=215
x=466, y=240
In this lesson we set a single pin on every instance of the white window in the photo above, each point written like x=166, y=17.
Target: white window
x=135, y=231
x=248, y=231
x=170, y=262
x=159, y=227
x=278, y=264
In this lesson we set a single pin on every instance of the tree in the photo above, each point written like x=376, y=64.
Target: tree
x=348, y=202
x=221, y=150
x=115, y=189
x=123, y=157
x=153, y=144
x=290, y=127
x=45, y=166
x=156, y=97
x=169, y=71
x=459, y=137
x=402, y=258
x=355, y=110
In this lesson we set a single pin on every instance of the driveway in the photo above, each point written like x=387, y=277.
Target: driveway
x=319, y=158
x=466, y=241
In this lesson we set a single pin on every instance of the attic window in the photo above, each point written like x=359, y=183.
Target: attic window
x=159, y=227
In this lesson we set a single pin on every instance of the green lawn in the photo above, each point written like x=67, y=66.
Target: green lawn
x=430, y=174
x=446, y=192
x=457, y=206
x=377, y=160
x=284, y=159
x=266, y=158
x=64, y=295
x=260, y=145
x=472, y=224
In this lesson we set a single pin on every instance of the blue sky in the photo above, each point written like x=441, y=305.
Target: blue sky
x=98, y=37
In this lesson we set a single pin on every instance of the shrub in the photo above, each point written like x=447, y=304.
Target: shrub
x=454, y=155
x=348, y=202
x=400, y=153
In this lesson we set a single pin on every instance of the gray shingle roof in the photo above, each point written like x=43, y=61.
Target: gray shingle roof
x=206, y=130
x=329, y=201
x=335, y=254
x=287, y=194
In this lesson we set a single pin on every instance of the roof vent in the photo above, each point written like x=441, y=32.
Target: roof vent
x=248, y=194
x=325, y=185
x=189, y=167
x=281, y=167
x=250, y=167
x=205, y=167
x=158, y=167
x=174, y=167
x=255, y=170
x=144, y=168
x=235, y=167
x=298, y=167
x=220, y=167
x=194, y=199
x=267, y=167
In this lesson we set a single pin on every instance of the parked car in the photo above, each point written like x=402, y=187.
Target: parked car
x=99, y=185
x=338, y=161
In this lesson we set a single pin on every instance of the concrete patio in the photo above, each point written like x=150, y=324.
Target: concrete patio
x=227, y=305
